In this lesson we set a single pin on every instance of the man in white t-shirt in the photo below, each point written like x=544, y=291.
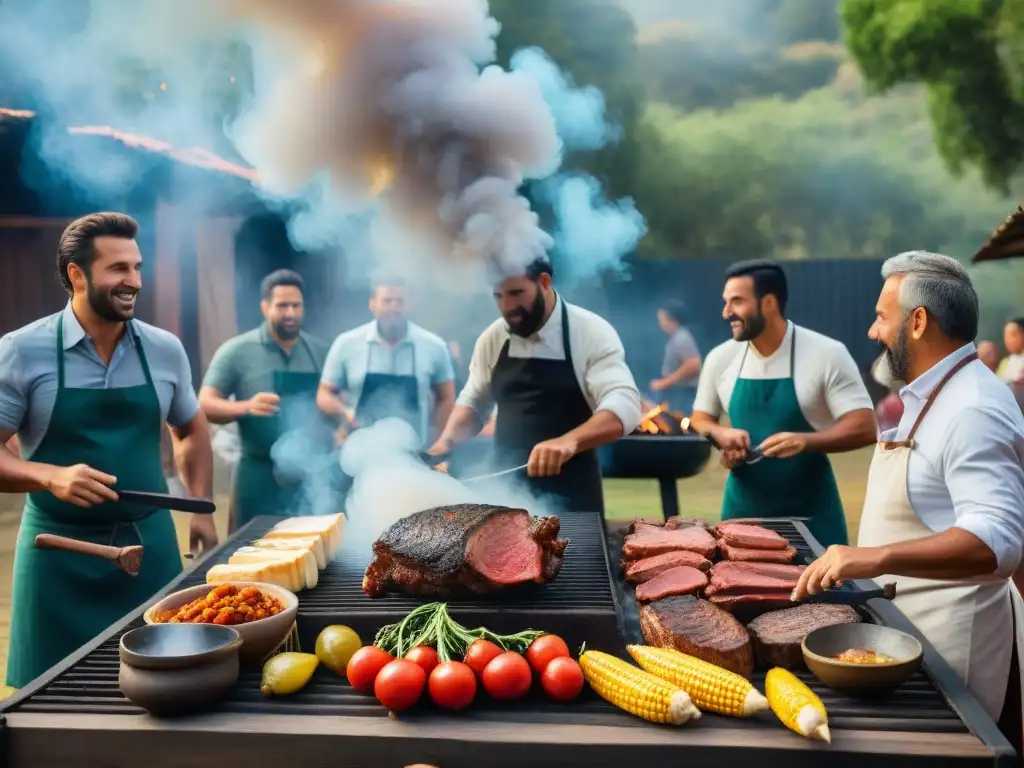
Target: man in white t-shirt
x=794, y=394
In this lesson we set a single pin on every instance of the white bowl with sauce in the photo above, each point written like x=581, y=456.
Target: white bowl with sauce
x=896, y=657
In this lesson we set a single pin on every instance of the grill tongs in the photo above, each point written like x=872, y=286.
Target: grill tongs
x=752, y=456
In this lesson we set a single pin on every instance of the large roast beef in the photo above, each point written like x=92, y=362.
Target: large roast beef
x=465, y=549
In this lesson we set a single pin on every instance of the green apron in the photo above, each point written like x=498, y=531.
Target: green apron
x=800, y=486
x=62, y=600
x=258, y=489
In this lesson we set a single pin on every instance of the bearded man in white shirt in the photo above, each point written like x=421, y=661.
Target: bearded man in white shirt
x=559, y=378
x=944, y=510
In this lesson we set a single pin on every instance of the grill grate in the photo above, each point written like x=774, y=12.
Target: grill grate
x=90, y=686
x=916, y=706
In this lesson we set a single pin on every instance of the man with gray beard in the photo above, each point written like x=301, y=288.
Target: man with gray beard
x=944, y=509
x=87, y=391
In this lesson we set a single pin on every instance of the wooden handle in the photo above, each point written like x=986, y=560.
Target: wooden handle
x=49, y=541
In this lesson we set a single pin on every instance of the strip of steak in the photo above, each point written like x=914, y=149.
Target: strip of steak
x=650, y=540
x=681, y=580
x=732, y=577
x=465, y=549
x=639, y=571
x=669, y=525
x=750, y=536
x=697, y=628
x=784, y=556
x=764, y=599
x=777, y=635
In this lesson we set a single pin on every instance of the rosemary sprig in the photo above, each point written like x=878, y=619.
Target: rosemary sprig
x=430, y=624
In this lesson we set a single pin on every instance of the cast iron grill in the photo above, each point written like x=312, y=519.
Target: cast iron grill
x=663, y=457
x=90, y=686
x=916, y=706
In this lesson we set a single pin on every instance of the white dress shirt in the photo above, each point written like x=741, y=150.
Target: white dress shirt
x=967, y=466
x=827, y=382
x=598, y=359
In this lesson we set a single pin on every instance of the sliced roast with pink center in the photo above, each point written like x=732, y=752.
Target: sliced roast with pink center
x=681, y=580
x=640, y=571
x=650, y=540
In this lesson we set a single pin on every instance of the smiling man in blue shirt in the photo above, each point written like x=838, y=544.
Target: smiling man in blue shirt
x=389, y=367
x=87, y=391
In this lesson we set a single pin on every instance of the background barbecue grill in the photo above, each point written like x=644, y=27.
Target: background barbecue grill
x=87, y=685
x=666, y=458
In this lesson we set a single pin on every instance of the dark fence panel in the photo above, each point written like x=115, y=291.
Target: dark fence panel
x=835, y=297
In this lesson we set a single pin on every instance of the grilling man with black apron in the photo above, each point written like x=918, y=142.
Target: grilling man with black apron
x=559, y=378
x=389, y=367
x=272, y=372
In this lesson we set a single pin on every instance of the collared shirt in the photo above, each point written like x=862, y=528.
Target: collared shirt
x=28, y=373
x=362, y=350
x=244, y=366
x=828, y=384
x=967, y=465
x=598, y=359
x=681, y=347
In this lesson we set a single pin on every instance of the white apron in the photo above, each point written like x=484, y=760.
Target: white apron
x=974, y=623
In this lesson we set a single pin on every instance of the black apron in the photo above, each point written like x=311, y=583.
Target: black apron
x=540, y=400
x=390, y=394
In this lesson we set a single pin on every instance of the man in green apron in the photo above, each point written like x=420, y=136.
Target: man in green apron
x=272, y=372
x=794, y=394
x=87, y=391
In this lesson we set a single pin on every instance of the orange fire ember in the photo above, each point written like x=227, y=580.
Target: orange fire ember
x=659, y=420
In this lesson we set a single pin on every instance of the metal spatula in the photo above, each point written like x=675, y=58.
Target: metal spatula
x=128, y=559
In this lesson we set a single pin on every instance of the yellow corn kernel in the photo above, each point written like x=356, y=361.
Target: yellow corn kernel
x=796, y=705
x=635, y=691
x=712, y=688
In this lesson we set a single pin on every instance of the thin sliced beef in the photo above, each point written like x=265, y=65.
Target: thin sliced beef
x=777, y=635
x=465, y=549
x=681, y=580
x=639, y=571
x=650, y=540
x=697, y=628
x=749, y=536
x=759, y=600
x=731, y=577
x=669, y=525
x=740, y=554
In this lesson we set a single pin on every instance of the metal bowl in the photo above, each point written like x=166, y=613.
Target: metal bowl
x=867, y=679
x=173, y=669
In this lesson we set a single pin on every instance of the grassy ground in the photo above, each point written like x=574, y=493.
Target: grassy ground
x=699, y=496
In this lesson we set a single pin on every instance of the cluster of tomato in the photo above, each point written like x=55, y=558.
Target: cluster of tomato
x=505, y=675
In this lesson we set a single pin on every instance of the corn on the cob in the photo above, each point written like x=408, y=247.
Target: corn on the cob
x=796, y=705
x=635, y=691
x=712, y=688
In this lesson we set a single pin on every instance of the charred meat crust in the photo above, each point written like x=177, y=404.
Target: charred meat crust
x=698, y=628
x=425, y=554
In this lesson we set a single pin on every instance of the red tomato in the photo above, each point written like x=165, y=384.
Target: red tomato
x=452, y=685
x=479, y=655
x=507, y=677
x=544, y=649
x=365, y=665
x=562, y=679
x=425, y=656
x=400, y=684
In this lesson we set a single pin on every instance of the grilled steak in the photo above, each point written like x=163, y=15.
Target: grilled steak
x=465, y=549
x=671, y=524
x=681, y=580
x=762, y=600
x=749, y=536
x=639, y=571
x=650, y=540
x=729, y=577
x=756, y=555
x=777, y=635
x=698, y=628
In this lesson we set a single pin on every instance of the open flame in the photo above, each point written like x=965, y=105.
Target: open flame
x=659, y=420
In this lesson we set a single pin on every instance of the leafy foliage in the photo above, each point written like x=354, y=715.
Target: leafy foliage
x=970, y=56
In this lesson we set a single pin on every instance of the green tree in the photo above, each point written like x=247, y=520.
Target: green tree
x=970, y=56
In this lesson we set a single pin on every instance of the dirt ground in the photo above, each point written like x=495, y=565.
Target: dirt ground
x=625, y=499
